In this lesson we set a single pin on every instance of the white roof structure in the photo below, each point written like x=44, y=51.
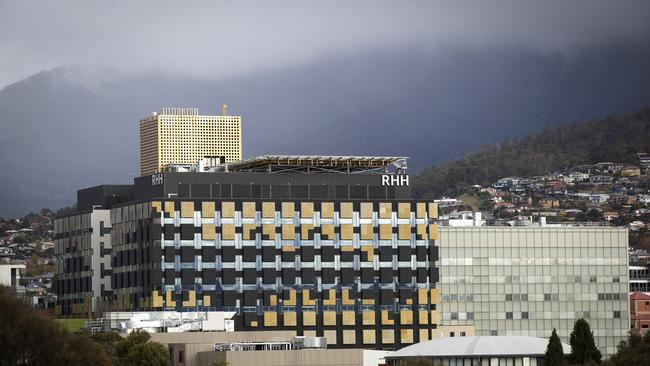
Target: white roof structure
x=479, y=346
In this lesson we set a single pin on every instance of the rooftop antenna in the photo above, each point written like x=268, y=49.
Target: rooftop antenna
x=224, y=110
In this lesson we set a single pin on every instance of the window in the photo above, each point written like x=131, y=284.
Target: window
x=509, y=315
x=593, y=278
x=617, y=314
x=462, y=334
x=524, y=315
x=454, y=316
x=452, y=334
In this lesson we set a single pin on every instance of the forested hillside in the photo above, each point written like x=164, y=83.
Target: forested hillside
x=616, y=138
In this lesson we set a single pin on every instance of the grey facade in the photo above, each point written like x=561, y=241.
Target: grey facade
x=526, y=281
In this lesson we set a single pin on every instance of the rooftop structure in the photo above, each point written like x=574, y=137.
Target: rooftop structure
x=183, y=136
x=320, y=164
x=488, y=349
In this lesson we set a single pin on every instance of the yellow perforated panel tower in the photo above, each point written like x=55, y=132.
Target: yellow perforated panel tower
x=182, y=136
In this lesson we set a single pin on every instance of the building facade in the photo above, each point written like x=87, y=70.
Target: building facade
x=639, y=312
x=335, y=247
x=182, y=136
x=83, y=251
x=527, y=281
x=345, y=256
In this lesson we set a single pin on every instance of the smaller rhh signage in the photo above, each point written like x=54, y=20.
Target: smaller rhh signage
x=394, y=180
x=156, y=179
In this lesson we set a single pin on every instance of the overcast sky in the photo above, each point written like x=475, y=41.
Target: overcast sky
x=222, y=39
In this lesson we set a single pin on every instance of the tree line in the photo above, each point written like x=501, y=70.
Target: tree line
x=616, y=138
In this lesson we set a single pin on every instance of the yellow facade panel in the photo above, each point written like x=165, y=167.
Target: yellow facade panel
x=288, y=231
x=385, y=319
x=268, y=230
x=367, y=232
x=331, y=300
x=206, y=300
x=368, y=317
x=345, y=297
x=268, y=210
x=309, y=318
x=291, y=301
x=329, y=317
x=348, y=317
x=227, y=232
x=387, y=336
x=207, y=231
x=369, y=336
x=248, y=210
x=288, y=210
x=327, y=210
x=435, y=316
x=289, y=318
x=270, y=319
x=403, y=210
x=187, y=209
x=406, y=335
x=424, y=335
x=306, y=210
x=349, y=337
x=306, y=300
x=433, y=211
x=191, y=299
x=169, y=299
x=346, y=210
x=404, y=232
x=366, y=210
x=423, y=297
x=157, y=299
x=156, y=206
x=385, y=232
x=169, y=208
x=228, y=209
x=248, y=231
x=347, y=232
x=423, y=317
x=433, y=232
x=305, y=229
x=385, y=210
x=406, y=317
x=435, y=296
x=421, y=210
x=327, y=232
x=207, y=210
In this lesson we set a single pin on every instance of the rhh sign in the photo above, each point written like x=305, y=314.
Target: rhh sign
x=394, y=180
x=156, y=179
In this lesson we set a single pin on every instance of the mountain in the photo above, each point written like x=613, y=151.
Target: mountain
x=69, y=128
x=616, y=138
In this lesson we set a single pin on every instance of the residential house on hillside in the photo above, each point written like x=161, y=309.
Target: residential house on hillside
x=631, y=171
x=598, y=198
x=643, y=199
x=622, y=199
x=600, y=179
x=547, y=203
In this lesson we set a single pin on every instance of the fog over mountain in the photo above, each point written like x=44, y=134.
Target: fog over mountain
x=69, y=128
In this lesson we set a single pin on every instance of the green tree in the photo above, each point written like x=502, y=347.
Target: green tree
x=146, y=354
x=137, y=350
x=583, y=347
x=554, y=352
x=28, y=339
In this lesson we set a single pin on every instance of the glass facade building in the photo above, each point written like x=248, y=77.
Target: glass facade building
x=527, y=281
